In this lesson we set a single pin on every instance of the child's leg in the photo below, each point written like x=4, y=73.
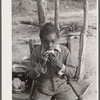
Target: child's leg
x=68, y=95
x=39, y=96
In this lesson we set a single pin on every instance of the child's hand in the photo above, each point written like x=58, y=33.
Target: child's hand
x=44, y=59
x=55, y=61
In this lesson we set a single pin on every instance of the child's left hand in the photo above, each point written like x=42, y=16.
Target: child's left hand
x=55, y=61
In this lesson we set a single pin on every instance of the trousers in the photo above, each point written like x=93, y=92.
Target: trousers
x=66, y=95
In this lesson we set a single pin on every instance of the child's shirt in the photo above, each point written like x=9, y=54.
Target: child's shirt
x=52, y=81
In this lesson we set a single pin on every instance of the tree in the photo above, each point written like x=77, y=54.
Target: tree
x=57, y=13
x=82, y=42
x=42, y=11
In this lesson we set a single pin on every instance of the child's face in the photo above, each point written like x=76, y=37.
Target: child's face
x=49, y=42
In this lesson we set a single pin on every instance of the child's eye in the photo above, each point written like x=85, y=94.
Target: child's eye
x=45, y=42
x=53, y=41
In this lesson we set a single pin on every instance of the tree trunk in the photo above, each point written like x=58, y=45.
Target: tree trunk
x=57, y=13
x=20, y=7
x=42, y=11
x=82, y=43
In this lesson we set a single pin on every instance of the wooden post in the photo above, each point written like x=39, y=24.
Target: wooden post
x=82, y=42
x=57, y=13
x=31, y=46
x=42, y=11
x=69, y=43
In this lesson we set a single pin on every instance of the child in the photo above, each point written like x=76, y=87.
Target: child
x=49, y=63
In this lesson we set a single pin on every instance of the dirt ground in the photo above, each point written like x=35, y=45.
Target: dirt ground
x=22, y=33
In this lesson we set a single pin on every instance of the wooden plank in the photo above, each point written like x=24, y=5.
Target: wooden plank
x=71, y=34
x=69, y=43
x=29, y=23
x=32, y=90
x=20, y=96
x=31, y=46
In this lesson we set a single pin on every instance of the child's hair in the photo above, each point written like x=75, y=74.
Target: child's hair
x=48, y=28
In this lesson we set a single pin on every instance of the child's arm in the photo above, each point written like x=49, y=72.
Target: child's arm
x=68, y=68
x=36, y=67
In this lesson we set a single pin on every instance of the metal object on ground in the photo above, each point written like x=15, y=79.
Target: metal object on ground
x=79, y=88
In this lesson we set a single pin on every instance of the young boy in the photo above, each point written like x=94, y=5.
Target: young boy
x=49, y=63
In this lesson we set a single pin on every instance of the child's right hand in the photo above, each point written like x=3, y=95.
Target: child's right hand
x=44, y=59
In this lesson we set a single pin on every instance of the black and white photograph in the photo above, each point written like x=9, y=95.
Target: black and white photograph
x=54, y=50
